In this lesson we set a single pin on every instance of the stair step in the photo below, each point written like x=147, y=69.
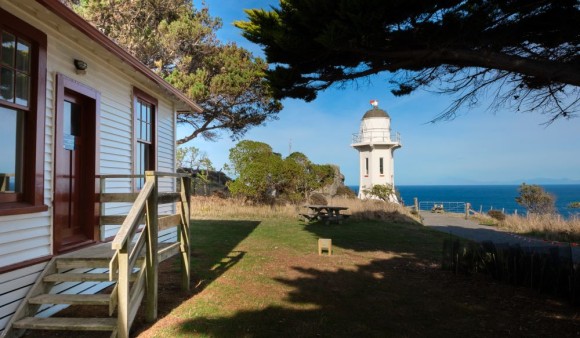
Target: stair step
x=81, y=263
x=98, y=299
x=73, y=324
x=77, y=277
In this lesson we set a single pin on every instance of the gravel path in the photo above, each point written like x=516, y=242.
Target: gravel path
x=457, y=225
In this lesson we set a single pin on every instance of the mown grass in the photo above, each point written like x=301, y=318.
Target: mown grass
x=264, y=278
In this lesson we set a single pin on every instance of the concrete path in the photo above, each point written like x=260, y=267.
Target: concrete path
x=457, y=225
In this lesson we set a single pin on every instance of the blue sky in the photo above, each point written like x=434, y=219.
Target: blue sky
x=478, y=147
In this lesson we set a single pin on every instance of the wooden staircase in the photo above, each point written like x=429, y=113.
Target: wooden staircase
x=40, y=294
x=130, y=265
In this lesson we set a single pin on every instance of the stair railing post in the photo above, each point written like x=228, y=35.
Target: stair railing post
x=184, y=233
x=123, y=301
x=151, y=255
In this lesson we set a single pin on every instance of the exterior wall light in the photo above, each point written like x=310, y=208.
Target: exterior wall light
x=81, y=66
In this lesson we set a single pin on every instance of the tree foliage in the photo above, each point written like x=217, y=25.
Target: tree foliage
x=178, y=42
x=189, y=157
x=523, y=53
x=263, y=175
x=535, y=199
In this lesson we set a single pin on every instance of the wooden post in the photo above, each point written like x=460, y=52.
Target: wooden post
x=123, y=294
x=151, y=252
x=467, y=208
x=102, y=189
x=184, y=233
x=416, y=202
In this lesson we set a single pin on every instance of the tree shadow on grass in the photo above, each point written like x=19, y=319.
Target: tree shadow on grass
x=213, y=243
x=373, y=235
x=396, y=297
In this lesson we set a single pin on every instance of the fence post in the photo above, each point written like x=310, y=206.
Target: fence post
x=467, y=207
x=416, y=202
x=184, y=234
x=151, y=256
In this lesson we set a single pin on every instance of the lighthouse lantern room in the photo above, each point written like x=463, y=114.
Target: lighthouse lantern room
x=376, y=144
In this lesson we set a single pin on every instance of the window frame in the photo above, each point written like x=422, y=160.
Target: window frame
x=140, y=95
x=31, y=198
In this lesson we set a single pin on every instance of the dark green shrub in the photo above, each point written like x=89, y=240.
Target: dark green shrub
x=496, y=214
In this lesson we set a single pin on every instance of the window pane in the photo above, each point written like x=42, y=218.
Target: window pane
x=23, y=56
x=11, y=149
x=66, y=118
x=146, y=158
x=8, y=47
x=22, y=89
x=6, y=84
x=148, y=134
x=72, y=118
x=138, y=164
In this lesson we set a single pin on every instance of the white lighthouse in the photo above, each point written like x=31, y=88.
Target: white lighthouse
x=376, y=145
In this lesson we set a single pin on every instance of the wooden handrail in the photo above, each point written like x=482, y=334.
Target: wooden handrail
x=132, y=220
x=129, y=253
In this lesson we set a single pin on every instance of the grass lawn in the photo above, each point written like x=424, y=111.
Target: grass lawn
x=266, y=279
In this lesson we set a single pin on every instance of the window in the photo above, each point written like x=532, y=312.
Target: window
x=366, y=166
x=381, y=165
x=22, y=110
x=145, y=111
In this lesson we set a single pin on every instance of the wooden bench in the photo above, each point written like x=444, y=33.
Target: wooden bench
x=309, y=217
x=325, y=213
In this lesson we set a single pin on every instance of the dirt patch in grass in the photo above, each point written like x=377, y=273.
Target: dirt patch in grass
x=382, y=280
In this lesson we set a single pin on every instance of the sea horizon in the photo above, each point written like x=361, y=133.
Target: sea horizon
x=486, y=197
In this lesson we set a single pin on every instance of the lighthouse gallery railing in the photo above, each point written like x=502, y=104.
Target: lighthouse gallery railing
x=372, y=136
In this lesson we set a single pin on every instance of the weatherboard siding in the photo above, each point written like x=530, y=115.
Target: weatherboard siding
x=29, y=236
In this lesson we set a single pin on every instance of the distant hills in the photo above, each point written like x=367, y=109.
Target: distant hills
x=537, y=180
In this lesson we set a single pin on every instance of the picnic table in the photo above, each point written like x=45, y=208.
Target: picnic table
x=326, y=213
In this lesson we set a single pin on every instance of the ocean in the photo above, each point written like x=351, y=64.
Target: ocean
x=486, y=197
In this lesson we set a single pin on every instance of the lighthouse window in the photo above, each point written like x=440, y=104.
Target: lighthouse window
x=381, y=165
x=366, y=166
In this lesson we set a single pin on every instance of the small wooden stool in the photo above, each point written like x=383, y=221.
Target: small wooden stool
x=325, y=244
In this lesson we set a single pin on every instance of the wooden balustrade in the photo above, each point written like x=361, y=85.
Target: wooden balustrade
x=134, y=242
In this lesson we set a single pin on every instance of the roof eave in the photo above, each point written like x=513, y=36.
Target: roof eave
x=94, y=34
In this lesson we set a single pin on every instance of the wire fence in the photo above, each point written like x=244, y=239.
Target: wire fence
x=442, y=206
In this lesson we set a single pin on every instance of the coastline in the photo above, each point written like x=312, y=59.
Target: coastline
x=487, y=197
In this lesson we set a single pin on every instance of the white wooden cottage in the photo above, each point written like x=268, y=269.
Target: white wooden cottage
x=73, y=106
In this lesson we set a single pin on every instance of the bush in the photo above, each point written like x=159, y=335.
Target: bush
x=380, y=191
x=496, y=214
x=536, y=200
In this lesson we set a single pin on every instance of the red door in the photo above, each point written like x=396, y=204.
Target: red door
x=74, y=187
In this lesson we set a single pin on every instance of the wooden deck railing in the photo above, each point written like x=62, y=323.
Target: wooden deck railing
x=134, y=242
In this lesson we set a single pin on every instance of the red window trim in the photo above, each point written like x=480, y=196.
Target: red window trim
x=139, y=94
x=33, y=159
